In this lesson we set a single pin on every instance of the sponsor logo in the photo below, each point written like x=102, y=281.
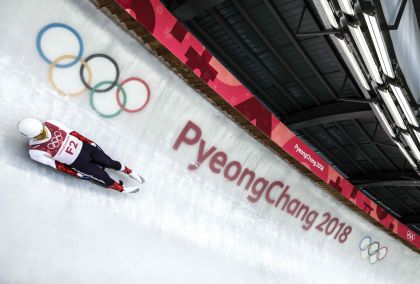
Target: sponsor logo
x=308, y=157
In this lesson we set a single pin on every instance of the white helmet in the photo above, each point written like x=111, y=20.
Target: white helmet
x=30, y=127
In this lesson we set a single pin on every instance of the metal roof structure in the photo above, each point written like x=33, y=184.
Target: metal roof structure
x=281, y=51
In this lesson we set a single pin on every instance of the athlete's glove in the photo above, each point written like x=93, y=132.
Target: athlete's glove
x=117, y=186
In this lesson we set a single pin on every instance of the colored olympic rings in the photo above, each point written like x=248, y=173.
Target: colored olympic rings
x=122, y=106
x=94, y=90
x=117, y=72
x=87, y=80
x=372, y=250
x=55, y=64
x=66, y=27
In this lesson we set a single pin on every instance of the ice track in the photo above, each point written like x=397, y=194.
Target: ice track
x=185, y=226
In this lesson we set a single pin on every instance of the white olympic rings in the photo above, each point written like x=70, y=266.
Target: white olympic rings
x=55, y=140
x=411, y=236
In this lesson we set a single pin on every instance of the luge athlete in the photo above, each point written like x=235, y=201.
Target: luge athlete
x=54, y=144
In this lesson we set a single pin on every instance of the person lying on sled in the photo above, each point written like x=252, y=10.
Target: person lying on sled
x=54, y=144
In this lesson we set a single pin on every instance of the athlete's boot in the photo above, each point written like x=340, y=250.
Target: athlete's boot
x=117, y=186
x=133, y=175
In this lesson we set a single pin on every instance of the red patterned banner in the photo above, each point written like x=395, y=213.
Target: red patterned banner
x=154, y=16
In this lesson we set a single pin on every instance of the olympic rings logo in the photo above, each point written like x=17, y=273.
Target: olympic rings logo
x=86, y=79
x=411, y=236
x=372, y=250
x=55, y=140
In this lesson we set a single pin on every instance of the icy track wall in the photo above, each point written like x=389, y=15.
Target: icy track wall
x=218, y=207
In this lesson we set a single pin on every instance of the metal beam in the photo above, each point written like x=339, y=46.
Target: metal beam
x=399, y=183
x=318, y=33
x=381, y=152
x=328, y=113
x=416, y=5
x=396, y=198
x=251, y=55
x=390, y=179
x=410, y=219
x=351, y=139
x=343, y=150
x=274, y=51
x=301, y=19
x=399, y=16
x=216, y=49
x=386, y=145
x=193, y=8
x=372, y=178
x=279, y=19
x=342, y=166
x=344, y=68
x=360, y=101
